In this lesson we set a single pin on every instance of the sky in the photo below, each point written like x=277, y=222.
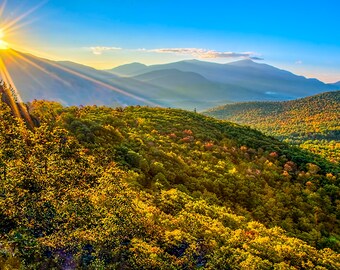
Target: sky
x=299, y=36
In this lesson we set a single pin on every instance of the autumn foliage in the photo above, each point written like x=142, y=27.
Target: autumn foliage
x=102, y=188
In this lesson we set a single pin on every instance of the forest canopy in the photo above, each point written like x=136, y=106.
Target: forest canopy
x=312, y=122
x=150, y=188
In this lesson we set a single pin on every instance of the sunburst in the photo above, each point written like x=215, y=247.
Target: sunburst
x=3, y=44
x=10, y=27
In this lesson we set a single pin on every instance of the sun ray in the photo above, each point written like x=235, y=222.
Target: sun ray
x=37, y=66
x=2, y=8
x=100, y=83
x=12, y=94
x=103, y=84
x=17, y=105
x=15, y=60
x=22, y=16
x=19, y=26
x=8, y=80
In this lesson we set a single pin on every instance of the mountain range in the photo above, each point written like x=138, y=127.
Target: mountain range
x=243, y=80
x=186, y=84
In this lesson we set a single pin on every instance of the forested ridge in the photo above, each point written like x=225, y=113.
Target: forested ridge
x=151, y=188
x=312, y=122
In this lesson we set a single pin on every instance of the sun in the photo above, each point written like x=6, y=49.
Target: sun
x=3, y=44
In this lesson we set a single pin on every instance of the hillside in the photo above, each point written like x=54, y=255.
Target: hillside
x=337, y=84
x=74, y=84
x=175, y=79
x=100, y=188
x=191, y=90
x=129, y=69
x=299, y=121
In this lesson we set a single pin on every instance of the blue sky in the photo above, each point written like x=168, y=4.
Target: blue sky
x=301, y=36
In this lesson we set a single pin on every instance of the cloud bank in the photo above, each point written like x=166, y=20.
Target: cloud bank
x=98, y=50
x=204, y=53
x=194, y=52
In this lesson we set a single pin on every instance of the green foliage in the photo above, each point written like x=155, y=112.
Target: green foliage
x=142, y=188
x=312, y=122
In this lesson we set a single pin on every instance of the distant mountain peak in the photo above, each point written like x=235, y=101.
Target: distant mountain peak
x=248, y=60
x=128, y=69
x=132, y=65
x=136, y=64
x=336, y=83
x=243, y=62
x=192, y=61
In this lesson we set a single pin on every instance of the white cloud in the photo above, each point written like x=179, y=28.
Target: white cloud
x=204, y=53
x=98, y=50
x=299, y=62
x=195, y=52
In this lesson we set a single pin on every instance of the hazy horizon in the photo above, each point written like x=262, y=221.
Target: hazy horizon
x=189, y=59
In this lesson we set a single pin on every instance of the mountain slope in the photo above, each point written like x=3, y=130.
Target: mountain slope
x=337, y=84
x=312, y=118
x=129, y=69
x=74, y=84
x=195, y=90
x=149, y=188
x=272, y=83
x=224, y=163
